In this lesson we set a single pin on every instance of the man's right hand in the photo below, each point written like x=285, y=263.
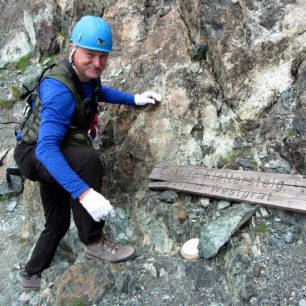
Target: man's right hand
x=96, y=205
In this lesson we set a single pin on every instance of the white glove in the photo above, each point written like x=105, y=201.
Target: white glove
x=97, y=206
x=147, y=97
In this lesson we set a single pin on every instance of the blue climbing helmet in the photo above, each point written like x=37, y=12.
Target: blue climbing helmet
x=93, y=33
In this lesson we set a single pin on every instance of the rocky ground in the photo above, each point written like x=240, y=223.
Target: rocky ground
x=264, y=263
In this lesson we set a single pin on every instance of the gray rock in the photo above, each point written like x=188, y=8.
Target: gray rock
x=288, y=237
x=168, y=196
x=216, y=233
x=223, y=204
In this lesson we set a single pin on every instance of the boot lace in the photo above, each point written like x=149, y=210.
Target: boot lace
x=109, y=245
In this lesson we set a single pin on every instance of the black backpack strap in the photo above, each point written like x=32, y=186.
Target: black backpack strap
x=30, y=91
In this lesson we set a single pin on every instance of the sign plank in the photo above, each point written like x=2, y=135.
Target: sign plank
x=161, y=171
x=250, y=184
x=275, y=201
x=271, y=189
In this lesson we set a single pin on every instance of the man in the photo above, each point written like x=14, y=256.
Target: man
x=53, y=148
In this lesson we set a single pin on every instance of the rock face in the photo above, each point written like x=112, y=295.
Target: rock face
x=232, y=75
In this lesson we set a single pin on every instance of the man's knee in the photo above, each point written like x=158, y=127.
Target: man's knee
x=92, y=161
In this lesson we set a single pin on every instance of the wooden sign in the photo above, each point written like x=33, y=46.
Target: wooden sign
x=271, y=189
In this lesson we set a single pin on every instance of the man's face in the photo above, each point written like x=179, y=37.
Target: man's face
x=89, y=63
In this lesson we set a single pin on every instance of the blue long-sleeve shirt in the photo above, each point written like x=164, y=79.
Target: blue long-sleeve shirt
x=58, y=106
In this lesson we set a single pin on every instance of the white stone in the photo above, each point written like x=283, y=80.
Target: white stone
x=11, y=207
x=264, y=212
x=204, y=202
x=16, y=48
x=267, y=83
x=190, y=250
x=29, y=26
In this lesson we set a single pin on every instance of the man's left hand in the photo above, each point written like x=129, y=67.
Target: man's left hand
x=147, y=97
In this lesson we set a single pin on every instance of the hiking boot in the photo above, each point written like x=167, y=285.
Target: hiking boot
x=109, y=250
x=30, y=282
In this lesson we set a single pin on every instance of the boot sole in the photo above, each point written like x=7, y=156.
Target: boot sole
x=30, y=288
x=131, y=257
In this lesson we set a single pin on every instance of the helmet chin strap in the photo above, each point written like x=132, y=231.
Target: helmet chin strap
x=71, y=57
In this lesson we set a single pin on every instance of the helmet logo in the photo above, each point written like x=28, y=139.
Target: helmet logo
x=101, y=41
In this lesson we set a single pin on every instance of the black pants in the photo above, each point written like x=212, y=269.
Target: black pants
x=57, y=202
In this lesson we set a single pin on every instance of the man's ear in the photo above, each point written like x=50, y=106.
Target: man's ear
x=72, y=49
x=71, y=46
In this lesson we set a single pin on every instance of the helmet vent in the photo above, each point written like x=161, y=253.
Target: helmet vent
x=101, y=41
x=80, y=36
